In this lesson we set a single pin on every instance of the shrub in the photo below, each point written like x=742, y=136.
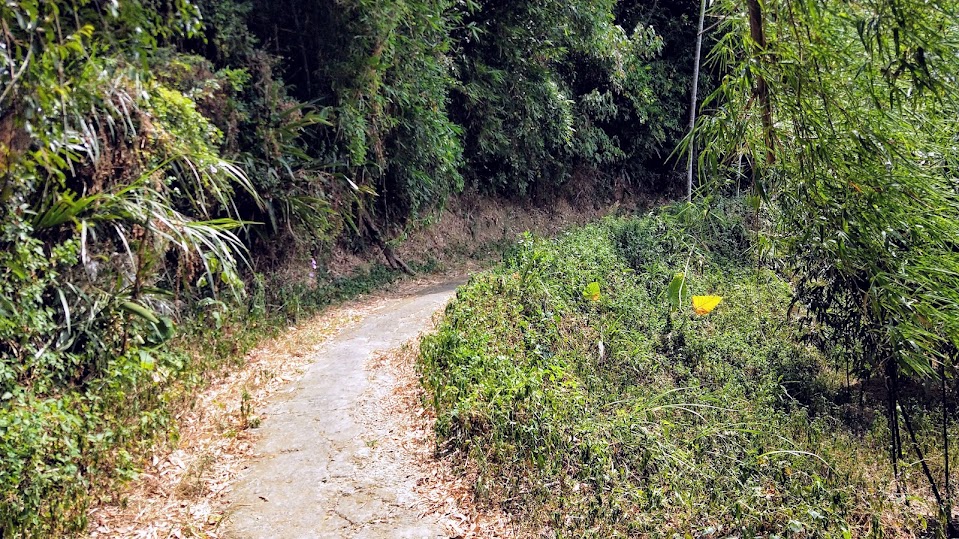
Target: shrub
x=612, y=415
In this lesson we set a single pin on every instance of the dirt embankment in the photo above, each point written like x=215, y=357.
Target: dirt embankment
x=471, y=226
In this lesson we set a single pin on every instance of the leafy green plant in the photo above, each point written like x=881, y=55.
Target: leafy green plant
x=852, y=139
x=591, y=292
x=675, y=292
x=117, y=208
x=544, y=88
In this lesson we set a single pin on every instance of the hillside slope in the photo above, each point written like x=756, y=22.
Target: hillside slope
x=592, y=406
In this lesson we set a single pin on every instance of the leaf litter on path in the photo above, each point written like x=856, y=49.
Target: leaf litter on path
x=180, y=492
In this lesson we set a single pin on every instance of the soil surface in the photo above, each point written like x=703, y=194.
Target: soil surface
x=322, y=464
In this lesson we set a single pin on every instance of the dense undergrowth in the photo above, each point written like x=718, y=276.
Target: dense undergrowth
x=160, y=160
x=612, y=416
x=65, y=446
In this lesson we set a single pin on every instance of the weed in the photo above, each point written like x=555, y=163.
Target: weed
x=192, y=482
x=595, y=408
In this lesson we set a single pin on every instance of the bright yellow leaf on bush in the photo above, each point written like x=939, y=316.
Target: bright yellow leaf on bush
x=591, y=292
x=705, y=304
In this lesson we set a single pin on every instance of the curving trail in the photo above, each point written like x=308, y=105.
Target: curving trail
x=319, y=469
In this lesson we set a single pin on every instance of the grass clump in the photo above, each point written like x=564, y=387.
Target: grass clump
x=610, y=414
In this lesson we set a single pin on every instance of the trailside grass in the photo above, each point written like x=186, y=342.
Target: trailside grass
x=615, y=415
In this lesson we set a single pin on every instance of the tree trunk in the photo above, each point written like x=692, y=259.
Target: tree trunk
x=374, y=233
x=761, y=91
x=694, y=100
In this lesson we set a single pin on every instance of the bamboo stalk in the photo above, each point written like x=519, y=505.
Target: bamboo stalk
x=694, y=98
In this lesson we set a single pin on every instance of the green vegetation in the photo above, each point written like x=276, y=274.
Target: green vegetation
x=573, y=88
x=858, y=163
x=65, y=440
x=164, y=163
x=851, y=138
x=160, y=160
x=610, y=413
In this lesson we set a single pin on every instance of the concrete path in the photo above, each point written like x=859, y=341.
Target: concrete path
x=318, y=471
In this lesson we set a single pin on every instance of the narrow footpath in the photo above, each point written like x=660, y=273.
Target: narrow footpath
x=319, y=469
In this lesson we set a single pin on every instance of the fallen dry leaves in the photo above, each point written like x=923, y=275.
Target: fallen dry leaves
x=180, y=491
x=446, y=493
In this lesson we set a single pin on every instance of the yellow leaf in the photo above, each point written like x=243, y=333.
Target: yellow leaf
x=705, y=304
x=591, y=292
